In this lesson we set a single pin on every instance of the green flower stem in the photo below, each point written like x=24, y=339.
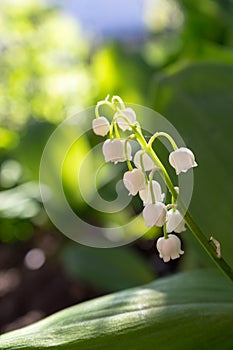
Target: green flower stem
x=119, y=100
x=220, y=262
x=164, y=134
x=148, y=149
x=108, y=103
x=116, y=130
x=199, y=235
x=111, y=132
x=151, y=187
x=126, y=154
x=174, y=204
x=102, y=103
x=165, y=231
x=142, y=167
x=121, y=116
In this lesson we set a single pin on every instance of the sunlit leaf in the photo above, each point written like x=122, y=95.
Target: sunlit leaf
x=193, y=310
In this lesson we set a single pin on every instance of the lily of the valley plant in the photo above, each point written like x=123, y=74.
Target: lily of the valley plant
x=139, y=179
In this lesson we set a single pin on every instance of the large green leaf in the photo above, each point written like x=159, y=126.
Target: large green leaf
x=192, y=310
x=197, y=99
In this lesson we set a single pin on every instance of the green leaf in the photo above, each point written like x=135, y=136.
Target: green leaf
x=107, y=269
x=192, y=310
x=197, y=99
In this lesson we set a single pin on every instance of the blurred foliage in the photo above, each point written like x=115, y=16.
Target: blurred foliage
x=115, y=73
x=49, y=70
x=203, y=30
x=43, y=77
x=43, y=62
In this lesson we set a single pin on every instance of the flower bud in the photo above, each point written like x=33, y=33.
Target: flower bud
x=146, y=160
x=175, y=221
x=127, y=113
x=155, y=214
x=169, y=248
x=134, y=181
x=182, y=160
x=145, y=194
x=101, y=126
x=114, y=151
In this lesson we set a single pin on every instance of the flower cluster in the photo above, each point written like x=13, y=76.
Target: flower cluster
x=139, y=179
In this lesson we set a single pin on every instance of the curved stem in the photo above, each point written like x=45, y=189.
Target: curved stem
x=147, y=148
x=164, y=134
x=102, y=103
x=199, y=235
x=121, y=116
x=119, y=100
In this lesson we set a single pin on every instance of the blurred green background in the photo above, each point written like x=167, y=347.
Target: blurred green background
x=181, y=65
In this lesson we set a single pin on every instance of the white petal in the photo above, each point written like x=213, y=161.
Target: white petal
x=175, y=221
x=114, y=151
x=127, y=113
x=154, y=214
x=182, y=160
x=101, y=126
x=166, y=258
x=147, y=161
x=169, y=247
x=134, y=181
x=175, y=256
x=145, y=194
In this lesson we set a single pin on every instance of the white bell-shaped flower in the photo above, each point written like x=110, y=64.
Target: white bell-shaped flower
x=169, y=248
x=134, y=181
x=114, y=151
x=145, y=194
x=175, y=221
x=101, y=126
x=182, y=160
x=127, y=113
x=147, y=161
x=155, y=214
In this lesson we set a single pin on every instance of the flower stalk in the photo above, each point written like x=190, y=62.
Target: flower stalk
x=194, y=228
x=136, y=180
